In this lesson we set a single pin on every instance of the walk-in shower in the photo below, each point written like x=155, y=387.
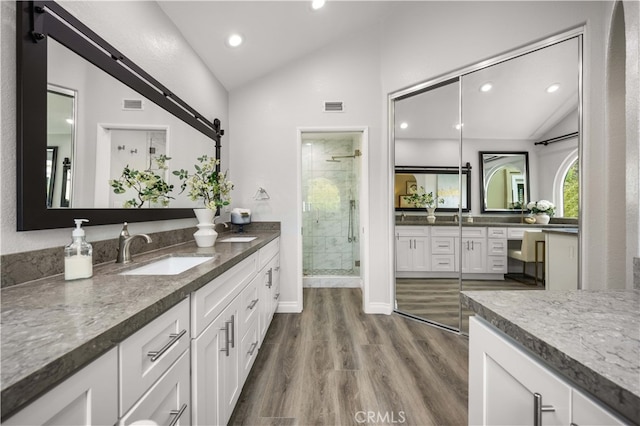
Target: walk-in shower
x=330, y=209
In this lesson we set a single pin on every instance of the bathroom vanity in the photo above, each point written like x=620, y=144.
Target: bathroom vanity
x=562, y=357
x=115, y=348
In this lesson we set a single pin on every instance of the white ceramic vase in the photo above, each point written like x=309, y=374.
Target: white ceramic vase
x=206, y=234
x=431, y=214
x=542, y=218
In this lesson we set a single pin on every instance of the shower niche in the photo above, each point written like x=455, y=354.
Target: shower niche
x=331, y=208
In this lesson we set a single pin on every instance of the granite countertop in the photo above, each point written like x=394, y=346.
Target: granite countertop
x=51, y=327
x=590, y=337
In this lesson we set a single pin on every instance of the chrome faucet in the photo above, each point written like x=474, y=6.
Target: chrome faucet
x=124, y=244
x=226, y=225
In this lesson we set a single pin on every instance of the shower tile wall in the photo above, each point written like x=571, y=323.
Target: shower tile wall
x=328, y=188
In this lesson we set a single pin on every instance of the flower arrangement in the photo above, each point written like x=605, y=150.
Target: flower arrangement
x=150, y=186
x=421, y=198
x=206, y=183
x=542, y=206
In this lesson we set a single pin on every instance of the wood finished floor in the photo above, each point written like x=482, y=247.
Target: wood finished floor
x=438, y=299
x=333, y=364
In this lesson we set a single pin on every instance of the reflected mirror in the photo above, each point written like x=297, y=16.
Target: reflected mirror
x=441, y=182
x=85, y=113
x=504, y=184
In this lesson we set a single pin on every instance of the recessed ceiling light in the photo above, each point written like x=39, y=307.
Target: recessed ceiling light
x=459, y=126
x=235, y=40
x=486, y=87
x=317, y=4
x=404, y=125
x=553, y=88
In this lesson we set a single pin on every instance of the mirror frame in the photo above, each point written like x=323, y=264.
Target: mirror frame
x=483, y=203
x=35, y=22
x=465, y=173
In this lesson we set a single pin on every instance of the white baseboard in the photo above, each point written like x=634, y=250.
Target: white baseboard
x=289, y=308
x=378, y=308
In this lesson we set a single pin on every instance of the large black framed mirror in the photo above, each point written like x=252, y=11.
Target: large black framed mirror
x=504, y=181
x=444, y=182
x=44, y=27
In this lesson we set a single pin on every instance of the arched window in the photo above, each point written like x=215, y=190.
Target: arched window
x=567, y=187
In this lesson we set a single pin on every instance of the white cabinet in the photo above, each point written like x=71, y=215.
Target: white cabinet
x=148, y=353
x=89, y=397
x=474, y=257
x=228, y=316
x=561, y=261
x=497, y=249
x=507, y=386
x=167, y=401
x=412, y=254
x=216, y=368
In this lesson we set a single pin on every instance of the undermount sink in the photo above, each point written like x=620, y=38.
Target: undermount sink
x=172, y=265
x=238, y=239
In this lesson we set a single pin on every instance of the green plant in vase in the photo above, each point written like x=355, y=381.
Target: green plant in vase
x=149, y=186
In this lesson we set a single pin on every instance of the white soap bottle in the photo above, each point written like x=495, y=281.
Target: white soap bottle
x=78, y=256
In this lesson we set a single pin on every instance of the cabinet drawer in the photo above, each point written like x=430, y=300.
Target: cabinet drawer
x=497, y=264
x=442, y=245
x=497, y=232
x=496, y=247
x=586, y=411
x=249, y=348
x=167, y=400
x=443, y=263
x=209, y=301
x=267, y=252
x=474, y=231
x=412, y=231
x=148, y=353
x=250, y=304
x=445, y=231
x=517, y=233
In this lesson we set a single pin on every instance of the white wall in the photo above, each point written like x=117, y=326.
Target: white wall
x=418, y=42
x=264, y=117
x=142, y=32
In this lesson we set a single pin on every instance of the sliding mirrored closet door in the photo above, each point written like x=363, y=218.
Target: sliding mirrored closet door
x=427, y=176
x=485, y=142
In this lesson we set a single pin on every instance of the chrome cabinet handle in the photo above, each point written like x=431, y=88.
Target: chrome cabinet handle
x=174, y=339
x=472, y=248
x=538, y=409
x=467, y=244
x=277, y=268
x=270, y=275
x=252, y=304
x=276, y=296
x=233, y=331
x=177, y=414
x=253, y=347
x=226, y=338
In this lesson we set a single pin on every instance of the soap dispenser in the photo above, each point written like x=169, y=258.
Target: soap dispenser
x=78, y=256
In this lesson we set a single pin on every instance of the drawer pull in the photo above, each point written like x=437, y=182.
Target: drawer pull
x=233, y=331
x=174, y=339
x=277, y=296
x=253, y=347
x=538, y=409
x=270, y=275
x=277, y=268
x=177, y=414
x=226, y=338
x=253, y=304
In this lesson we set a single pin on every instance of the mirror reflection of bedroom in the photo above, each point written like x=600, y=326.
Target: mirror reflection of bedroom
x=487, y=148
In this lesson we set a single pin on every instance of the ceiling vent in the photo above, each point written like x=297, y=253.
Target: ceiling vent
x=132, y=104
x=334, y=106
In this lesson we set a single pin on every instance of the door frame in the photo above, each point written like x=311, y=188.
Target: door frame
x=363, y=230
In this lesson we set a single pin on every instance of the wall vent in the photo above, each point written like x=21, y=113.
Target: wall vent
x=132, y=104
x=334, y=106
